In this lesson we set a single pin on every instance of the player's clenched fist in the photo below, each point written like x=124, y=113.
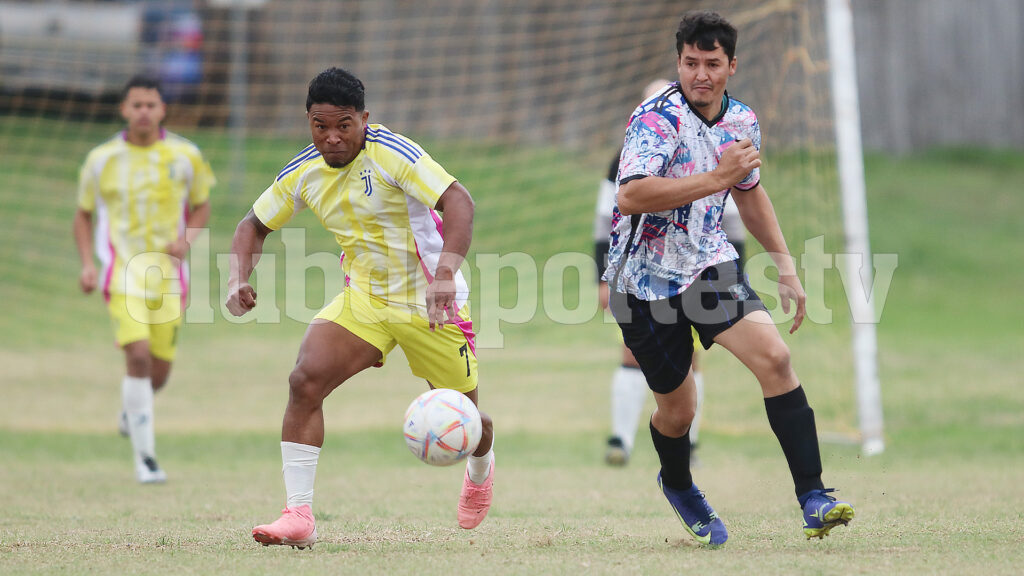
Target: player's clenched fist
x=87, y=279
x=241, y=299
x=441, y=299
x=737, y=161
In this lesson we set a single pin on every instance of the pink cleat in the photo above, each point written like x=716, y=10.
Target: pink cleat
x=295, y=528
x=475, y=500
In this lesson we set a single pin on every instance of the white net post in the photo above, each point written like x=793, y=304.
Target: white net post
x=855, y=220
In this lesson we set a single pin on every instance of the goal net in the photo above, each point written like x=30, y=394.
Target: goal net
x=525, y=102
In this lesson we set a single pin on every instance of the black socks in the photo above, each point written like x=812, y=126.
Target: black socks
x=674, y=454
x=792, y=420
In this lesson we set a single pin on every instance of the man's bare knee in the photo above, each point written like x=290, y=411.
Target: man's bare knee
x=306, y=388
x=138, y=361
x=777, y=361
x=675, y=422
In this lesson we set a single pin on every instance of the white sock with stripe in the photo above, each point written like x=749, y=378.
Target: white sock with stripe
x=629, y=393
x=137, y=399
x=698, y=378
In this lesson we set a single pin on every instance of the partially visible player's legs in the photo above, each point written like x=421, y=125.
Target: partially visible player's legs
x=328, y=356
x=159, y=372
x=478, y=485
x=698, y=382
x=670, y=427
x=161, y=348
x=134, y=365
x=661, y=340
x=138, y=338
x=629, y=393
x=147, y=332
x=478, y=464
x=480, y=458
x=446, y=358
x=755, y=341
x=137, y=401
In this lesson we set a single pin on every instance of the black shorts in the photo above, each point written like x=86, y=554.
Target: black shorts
x=659, y=332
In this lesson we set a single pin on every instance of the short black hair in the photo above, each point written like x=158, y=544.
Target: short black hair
x=142, y=81
x=703, y=28
x=336, y=86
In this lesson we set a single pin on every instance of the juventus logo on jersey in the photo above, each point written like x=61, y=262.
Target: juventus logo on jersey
x=365, y=176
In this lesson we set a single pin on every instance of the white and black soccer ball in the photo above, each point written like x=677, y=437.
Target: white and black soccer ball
x=442, y=427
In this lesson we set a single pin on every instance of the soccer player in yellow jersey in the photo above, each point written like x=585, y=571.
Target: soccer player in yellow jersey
x=149, y=190
x=380, y=194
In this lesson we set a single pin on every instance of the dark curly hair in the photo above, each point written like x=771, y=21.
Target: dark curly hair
x=142, y=81
x=703, y=29
x=336, y=86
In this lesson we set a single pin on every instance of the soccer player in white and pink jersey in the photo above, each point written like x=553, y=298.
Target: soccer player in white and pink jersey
x=672, y=271
x=629, y=387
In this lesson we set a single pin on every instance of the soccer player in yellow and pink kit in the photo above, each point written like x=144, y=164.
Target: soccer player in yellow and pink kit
x=379, y=193
x=148, y=190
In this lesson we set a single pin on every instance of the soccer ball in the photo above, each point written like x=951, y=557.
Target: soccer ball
x=442, y=427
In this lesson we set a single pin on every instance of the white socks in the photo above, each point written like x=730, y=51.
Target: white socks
x=300, y=462
x=629, y=392
x=698, y=379
x=479, y=467
x=299, y=472
x=137, y=400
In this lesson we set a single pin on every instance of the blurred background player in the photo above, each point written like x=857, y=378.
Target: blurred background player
x=379, y=193
x=149, y=189
x=629, y=388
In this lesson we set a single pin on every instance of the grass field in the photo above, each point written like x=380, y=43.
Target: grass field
x=945, y=497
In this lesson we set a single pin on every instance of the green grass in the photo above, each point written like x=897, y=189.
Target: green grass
x=943, y=498
x=71, y=504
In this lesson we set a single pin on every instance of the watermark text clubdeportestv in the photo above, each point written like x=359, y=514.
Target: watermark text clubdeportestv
x=540, y=286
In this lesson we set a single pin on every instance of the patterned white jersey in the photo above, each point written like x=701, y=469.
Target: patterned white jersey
x=671, y=248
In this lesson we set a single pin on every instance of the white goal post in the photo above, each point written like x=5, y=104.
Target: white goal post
x=850, y=159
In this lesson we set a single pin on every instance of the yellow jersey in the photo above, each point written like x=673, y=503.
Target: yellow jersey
x=141, y=196
x=380, y=208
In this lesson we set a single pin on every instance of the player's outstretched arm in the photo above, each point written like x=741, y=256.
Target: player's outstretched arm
x=758, y=216
x=82, y=228
x=246, y=248
x=457, y=206
x=655, y=194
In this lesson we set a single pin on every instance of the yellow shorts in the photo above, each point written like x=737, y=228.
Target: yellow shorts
x=445, y=357
x=136, y=318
